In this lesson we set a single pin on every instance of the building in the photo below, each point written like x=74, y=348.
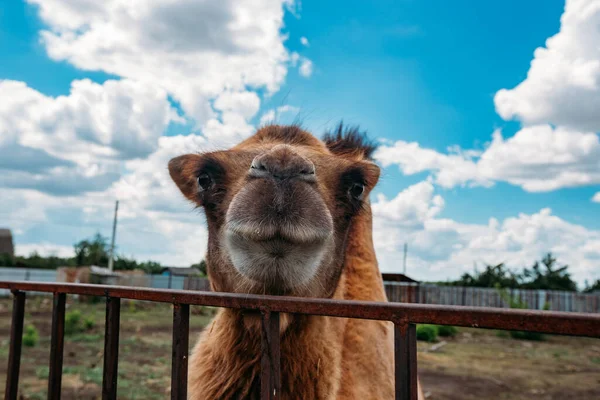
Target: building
x=180, y=271
x=394, y=277
x=6, y=242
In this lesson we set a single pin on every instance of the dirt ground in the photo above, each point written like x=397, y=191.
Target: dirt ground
x=475, y=364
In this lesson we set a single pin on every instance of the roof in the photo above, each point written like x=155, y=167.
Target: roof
x=102, y=271
x=394, y=277
x=181, y=271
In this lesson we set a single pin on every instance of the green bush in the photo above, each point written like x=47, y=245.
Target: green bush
x=131, y=307
x=427, y=333
x=89, y=323
x=447, y=330
x=502, y=334
x=521, y=335
x=73, y=322
x=42, y=372
x=31, y=336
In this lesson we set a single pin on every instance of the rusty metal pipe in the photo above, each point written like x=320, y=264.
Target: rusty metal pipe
x=560, y=323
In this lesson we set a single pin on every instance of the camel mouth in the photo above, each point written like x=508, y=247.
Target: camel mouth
x=277, y=235
x=283, y=234
x=279, y=261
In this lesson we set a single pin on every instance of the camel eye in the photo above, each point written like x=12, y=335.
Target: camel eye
x=357, y=190
x=204, y=182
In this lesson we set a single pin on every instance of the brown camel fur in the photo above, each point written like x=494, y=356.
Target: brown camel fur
x=288, y=214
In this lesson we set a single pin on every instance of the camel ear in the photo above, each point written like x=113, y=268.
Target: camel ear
x=183, y=172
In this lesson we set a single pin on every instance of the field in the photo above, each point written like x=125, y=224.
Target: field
x=475, y=364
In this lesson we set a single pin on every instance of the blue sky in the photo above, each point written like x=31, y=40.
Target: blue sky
x=427, y=73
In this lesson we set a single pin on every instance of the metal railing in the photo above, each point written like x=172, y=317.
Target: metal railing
x=404, y=316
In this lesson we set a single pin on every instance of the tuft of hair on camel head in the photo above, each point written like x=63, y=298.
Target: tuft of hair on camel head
x=279, y=207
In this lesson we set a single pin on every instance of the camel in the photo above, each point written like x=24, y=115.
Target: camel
x=289, y=214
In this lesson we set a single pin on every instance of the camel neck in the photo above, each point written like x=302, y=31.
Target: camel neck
x=361, y=277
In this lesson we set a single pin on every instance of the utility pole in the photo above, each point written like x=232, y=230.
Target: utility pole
x=405, y=251
x=112, y=243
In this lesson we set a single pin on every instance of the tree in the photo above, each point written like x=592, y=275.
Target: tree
x=548, y=276
x=123, y=263
x=201, y=266
x=493, y=276
x=6, y=260
x=92, y=252
x=544, y=275
x=151, y=267
x=594, y=287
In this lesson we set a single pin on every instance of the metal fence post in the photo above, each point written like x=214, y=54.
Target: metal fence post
x=16, y=338
x=405, y=360
x=111, y=348
x=270, y=365
x=57, y=346
x=179, y=361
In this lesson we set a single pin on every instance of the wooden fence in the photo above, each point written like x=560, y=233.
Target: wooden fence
x=402, y=292
x=553, y=300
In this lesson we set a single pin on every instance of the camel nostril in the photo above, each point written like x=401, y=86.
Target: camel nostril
x=310, y=170
x=256, y=164
x=282, y=163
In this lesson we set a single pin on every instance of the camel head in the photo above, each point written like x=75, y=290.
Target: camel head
x=279, y=207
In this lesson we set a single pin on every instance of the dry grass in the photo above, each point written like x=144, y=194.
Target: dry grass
x=480, y=364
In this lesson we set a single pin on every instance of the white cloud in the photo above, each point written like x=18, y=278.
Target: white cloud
x=116, y=119
x=155, y=221
x=268, y=117
x=537, y=158
x=160, y=229
x=442, y=248
x=450, y=169
x=306, y=65
x=146, y=183
x=563, y=83
x=74, y=143
x=44, y=249
x=596, y=198
x=275, y=115
x=540, y=158
x=193, y=50
x=208, y=57
x=306, y=68
x=411, y=207
x=245, y=103
x=304, y=41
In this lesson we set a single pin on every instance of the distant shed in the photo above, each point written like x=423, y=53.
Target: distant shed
x=6, y=242
x=180, y=271
x=394, y=277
